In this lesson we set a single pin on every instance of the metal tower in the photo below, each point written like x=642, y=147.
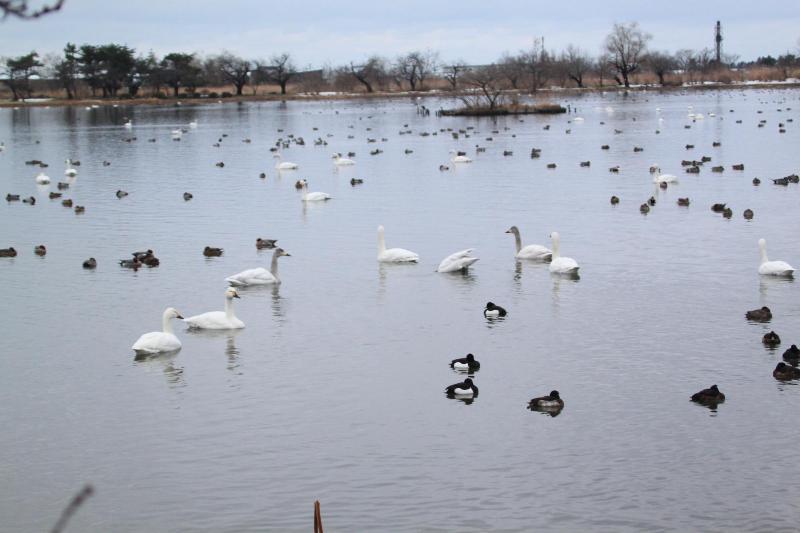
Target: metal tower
x=718, y=41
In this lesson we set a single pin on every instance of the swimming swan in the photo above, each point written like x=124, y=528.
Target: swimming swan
x=535, y=252
x=160, y=341
x=218, y=319
x=664, y=178
x=284, y=165
x=561, y=265
x=772, y=268
x=457, y=262
x=70, y=171
x=42, y=179
x=340, y=161
x=459, y=158
x=259, y=276
x=314, y=196
x=393, y=255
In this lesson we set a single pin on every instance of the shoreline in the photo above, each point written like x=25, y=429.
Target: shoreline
x=570, y=91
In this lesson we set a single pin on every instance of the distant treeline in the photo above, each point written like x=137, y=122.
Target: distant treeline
x=118, y=71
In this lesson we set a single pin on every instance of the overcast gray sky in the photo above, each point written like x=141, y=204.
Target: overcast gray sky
x=320, y=32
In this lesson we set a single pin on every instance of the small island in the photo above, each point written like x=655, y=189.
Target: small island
x=503, y=109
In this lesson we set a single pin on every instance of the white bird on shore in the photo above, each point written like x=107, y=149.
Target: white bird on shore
x=772, y=268
x=559, y=264
x=457, y=262
x=218, y=319
x=393, y=255
x=160, y=341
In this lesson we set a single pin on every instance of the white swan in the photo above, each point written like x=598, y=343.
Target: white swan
x=259, y=276
x=340, y=161
x=128, y=124
x=459, y=158
x=314, y=196
x=393, y=255
x=664, y=178
x=218, y=319
x=70, y=171
x=176, y=134
x=561, y=265
x=284, y=165
x=193, y=124
x=457, y=262
x=42, y=179
x=160, y=341
x=772, y=268
x=536, y=252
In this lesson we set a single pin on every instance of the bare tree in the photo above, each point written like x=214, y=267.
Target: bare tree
x=602, y=69
x=512, y=68
x=234, y=70
x=626, y=44
x=576, y=64
x=535, y=61
x=453, y=72
x=370, y=73
x=20, y=9
x=685, y=61
x=660, y=63
x=416, y=67
x=487, y=84
x=280, y=70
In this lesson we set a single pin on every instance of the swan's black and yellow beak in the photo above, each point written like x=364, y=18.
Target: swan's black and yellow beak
x=237, y=296
x=179, y=316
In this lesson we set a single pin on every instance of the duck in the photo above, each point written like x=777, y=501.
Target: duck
x=772, y=268
x=464, y=389
x=784, y=372
x=614, y=200
x=54, y=195
x=314, y=196
x=160, y=341
x=493, y=311
x=265, y=243
x=212, y=252
x=684, y=202
x=142, y=254
x=710, y=396
x=760, y=315
x=67, y=202
x=218, y=319
x=559, y=264
x=134, y=263
x=756, y=181
x=260, y=275
x=551, y=401
x=465, y=363
x=62, y=185
x=792, y=354
x=718, y=208
x=40, y=250
x=8, y=252
x=299, y=184
x=356, y=181
x=535, y=252
x=42, y=178
x=70, y=170
x=90, y=263
x=340, y=161
x=393, y=255
x=459, y=158
x=284, y=165
x=187, y=196
x=12, y=197
x=121, y=194
x=80, y=209
x=457, y=262
x=771, y=339
x=748, y=214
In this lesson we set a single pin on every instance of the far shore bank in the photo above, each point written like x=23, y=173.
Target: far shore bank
x=550, y=95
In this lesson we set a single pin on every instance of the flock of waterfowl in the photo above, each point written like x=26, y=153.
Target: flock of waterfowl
x=166, y=340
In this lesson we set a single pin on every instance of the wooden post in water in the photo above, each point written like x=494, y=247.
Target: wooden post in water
x=317, y=518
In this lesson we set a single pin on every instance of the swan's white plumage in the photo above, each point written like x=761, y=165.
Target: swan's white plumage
x=393, y=255
x=42, y=179
x=559, y=264
x=314, y=196
x=69, y=171
x=338, y=160
x=457, y=261
x=218, y=319
x=285, y=165
x=160, y=341
x=664, y=178
x=260, y=275
x=535, y=252
x=772, y=268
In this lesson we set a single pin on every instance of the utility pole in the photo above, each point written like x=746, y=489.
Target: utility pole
x=718, y=41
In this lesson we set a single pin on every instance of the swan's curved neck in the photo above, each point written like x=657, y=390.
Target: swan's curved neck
x=228, y=308
x=381, y=242
x=763, y=248
x=274, y=266
x=556, y=248
x=517, y=239
x=166, y=324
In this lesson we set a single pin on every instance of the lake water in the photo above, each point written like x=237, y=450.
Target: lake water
x=334, y=390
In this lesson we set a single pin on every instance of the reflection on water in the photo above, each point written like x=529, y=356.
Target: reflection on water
x=163, y=362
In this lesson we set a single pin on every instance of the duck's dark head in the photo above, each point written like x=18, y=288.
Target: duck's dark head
x=468, y=382
x=489, y=305
x=470, y=357
x=766, y=309
x=780, y=366
x=554, y=395
x=714, y=388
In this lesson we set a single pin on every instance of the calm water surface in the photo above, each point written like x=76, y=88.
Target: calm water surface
x=334, y=391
